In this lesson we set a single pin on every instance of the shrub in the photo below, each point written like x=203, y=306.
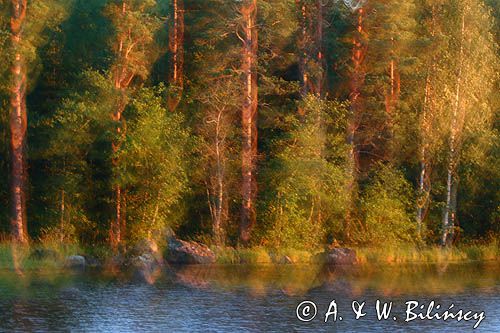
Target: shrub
x=387, y=208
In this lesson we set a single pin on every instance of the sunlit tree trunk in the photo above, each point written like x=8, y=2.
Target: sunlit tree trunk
x=391, y=99
x=450, y=210
x=395, y=83
x=319, y=48
x=303, y=43
x=310, y=45
x=424, y=177
x=249, y=118
x=220, y=206
x=357, y=81
x=121, y=80
x=177, y=52
x=424, y=180
x=18, y=125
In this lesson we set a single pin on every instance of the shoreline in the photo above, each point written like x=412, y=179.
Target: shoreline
x=41, y=257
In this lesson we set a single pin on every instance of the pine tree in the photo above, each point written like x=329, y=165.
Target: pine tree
x=249, y=30
x=18, y=124
x=176, y=45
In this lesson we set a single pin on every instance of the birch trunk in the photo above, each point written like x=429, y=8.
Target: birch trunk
x=219, y=213
x=18, y=125
x=249, y=117
x=449, y=214
x=424, y=180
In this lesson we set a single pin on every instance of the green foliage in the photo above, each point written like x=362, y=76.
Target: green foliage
x=80, y=133
x=152, y=162
x=387, y=204
x=135, y=24
x=306, y=177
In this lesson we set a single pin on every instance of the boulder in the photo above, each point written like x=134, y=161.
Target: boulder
x=340, y=256
x=184, y=252
x=145, y=260
x=93, y=262
x=75, y=262
x=115, y=261
x=145, y=246
x=145, y=267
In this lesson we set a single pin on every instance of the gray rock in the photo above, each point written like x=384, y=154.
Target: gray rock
x=184, y=252
x=145, y=246
x=93, y=262
x=145, y=267
x=116, y=261
x=144, y=262
x=75, y=262
x=340, y=256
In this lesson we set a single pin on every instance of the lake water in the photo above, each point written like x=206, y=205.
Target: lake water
x=246, y=299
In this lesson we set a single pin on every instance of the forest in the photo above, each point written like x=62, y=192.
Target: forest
x=250, y=123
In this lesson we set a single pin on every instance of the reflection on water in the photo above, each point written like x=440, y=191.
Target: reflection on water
x=242, y=298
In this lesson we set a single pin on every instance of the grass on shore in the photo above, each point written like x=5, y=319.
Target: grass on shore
x=35, y=257
x=430, y=254
x=367, y=255
x=53, y=255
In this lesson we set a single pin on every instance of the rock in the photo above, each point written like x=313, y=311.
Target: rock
x=144, y=260
x=168, y=233
x=75, y=262
x=148, y=248
x=116, y=261
x=93, y=262
x=145, y=246
x=340, y=256
x=184, y=252
x=146, y=267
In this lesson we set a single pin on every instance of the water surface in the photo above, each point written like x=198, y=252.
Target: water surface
x=245, y=299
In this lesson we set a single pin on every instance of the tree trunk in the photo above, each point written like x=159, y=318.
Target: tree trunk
x=319, y=49
x=357, y=81
x=311, y=47
x=63, y=211
x=18, y=125
x=121, y=80
x=303, y=43
x=449, y=214
x=177, y=51
x=249, y=118
x=395, y=82
x=391, y=99
x=424, y=177
x=219, y=213
x=424, y=181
